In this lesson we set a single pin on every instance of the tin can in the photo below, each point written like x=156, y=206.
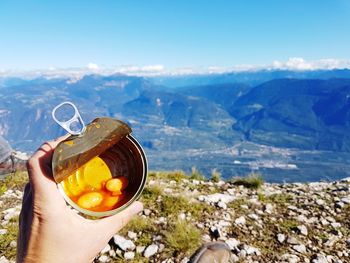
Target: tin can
x=110, y=140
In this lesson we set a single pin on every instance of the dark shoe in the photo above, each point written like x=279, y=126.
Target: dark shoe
x=214, y=252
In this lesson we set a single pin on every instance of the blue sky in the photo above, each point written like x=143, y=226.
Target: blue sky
x=177, y=33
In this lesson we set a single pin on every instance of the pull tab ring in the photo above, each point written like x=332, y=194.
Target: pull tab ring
x=74, y=120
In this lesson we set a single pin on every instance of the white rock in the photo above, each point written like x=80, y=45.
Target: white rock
x=335, y=225
x=346, y=200
x=292, y=241
x=161, y=247
x=240, y=220
x=13, y=244
x=281, y=238
x=268, y=208
x=252, y=250
x=146, y=212
x=103, y=259
x=123, y=243
x=232, y=243
x=182, y=216
x=129, y=255
x=290, y=258
x=320, y=259
x=215, y=198
x=150, y=251
x=253, y=216
x=132, y=235
x=185, y=260
x=299, y=248
x=222, y=205
x=303, y=230
x=106, y=249
x=3, y=231
x=320, y=202
x=3, y=259
x=140, y=249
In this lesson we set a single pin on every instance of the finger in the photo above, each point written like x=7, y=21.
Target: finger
x=116, y=222
x=39, y=165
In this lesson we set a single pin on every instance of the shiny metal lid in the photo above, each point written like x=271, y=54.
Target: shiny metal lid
x=75, y=151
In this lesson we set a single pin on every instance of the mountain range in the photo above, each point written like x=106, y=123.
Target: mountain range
x=279, y=123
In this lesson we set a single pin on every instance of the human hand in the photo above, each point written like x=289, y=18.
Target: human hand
x=49, y=231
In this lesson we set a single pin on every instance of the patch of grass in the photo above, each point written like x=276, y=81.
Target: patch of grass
x=280, y=199
x=150, y=195
x=174, y=175
x=14, y=181
x=174, y=205
x=139, y=224
x=182, y=238
x=236, y=204
x=252, y=181
x=196, y=175
x=5, y=240
x=215, y=176
x=289, y=224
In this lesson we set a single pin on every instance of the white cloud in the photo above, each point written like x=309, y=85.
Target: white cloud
x=295, y=63
x=298, y=63
x=92, y=66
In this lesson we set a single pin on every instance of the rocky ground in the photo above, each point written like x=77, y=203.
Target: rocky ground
x=260, y=223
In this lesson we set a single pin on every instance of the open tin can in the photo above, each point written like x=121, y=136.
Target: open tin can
x=106, y=143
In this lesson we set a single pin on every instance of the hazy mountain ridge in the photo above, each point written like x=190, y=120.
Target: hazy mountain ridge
x=202, y=126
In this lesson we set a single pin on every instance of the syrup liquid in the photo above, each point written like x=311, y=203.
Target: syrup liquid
x=92, y=187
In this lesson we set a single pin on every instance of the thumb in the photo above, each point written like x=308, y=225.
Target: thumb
x=116, y=222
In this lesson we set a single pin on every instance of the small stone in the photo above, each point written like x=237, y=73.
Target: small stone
x=140, y=249
x=232, y=243
x=335, y=225
x=242, y=253
x=112, y=253
x=346, y=200
x=129, y=255
x=293, y=241
x=132, y=235
x=269, y=208
x=320, y=202
x=299, y=248
x=222, y=205
x=106, y=249
x=161, y=247
x=185, y=260
x=3, y=259
x=281, y=238
x=146, y=212
x=319, y=259
x=150, y=251
x=13, y=244
x=103, y=259
x=252, y=250
x=3, y=231
x=290, y=258
x=240, y=220
x=303, y=230
x=182, y=216
x=253, y=216
x=123, y=243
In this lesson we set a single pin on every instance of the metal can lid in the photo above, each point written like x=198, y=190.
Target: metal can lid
x=75, y=151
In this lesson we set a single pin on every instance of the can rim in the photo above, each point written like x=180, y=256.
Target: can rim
x=124, y=206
